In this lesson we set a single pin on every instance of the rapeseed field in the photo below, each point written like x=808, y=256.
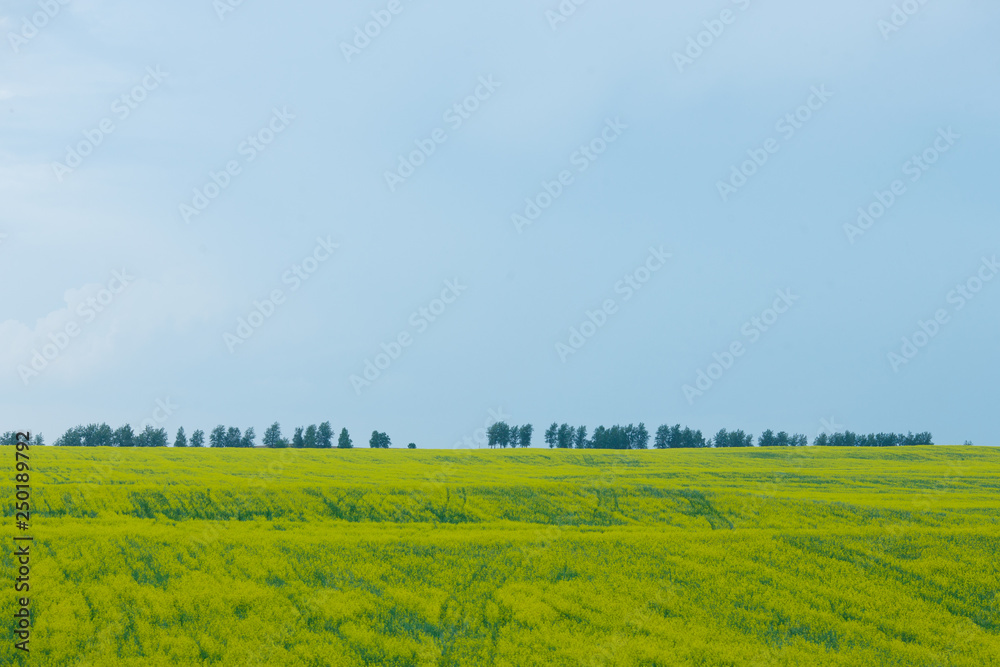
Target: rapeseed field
x=805, y=556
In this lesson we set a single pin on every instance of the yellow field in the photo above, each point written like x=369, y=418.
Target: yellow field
x=515, y=557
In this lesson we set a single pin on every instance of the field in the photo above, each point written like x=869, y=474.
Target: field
x=791, y=556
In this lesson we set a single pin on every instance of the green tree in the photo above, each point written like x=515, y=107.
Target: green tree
x=248, y=438
x=217, y=438
x=124, y=437
x=298, y=441
x=151, y=437
x=344, y=441
x=493, y=435
x=233, y=437
x=379, y=441
x=198, y=438
x=767, y=439
x=181, y=439
x=552, y=435
x=580, y=437
x=503, y=434
x=309, y=439
x=662, y=439
x=272, y=436
x=640, y=437
x=324, y=436
x=524, y=435
x=412, y=445
x=97, y=435
x=564, y=437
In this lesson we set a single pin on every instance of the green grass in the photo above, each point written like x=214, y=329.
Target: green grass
x=526, y=557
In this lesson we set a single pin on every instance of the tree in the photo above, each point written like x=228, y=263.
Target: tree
x=515, y=435
x=324, y=436
x=379, y=441
x=39, y=440
x=552, y=435
x=151, y=437
x=95, y=435
x=766, y=439
x=217, y=438
x=309, y=439
x=233, y=437
x=733, y=439
x=272, y=436
x=524, y=435
x=124, y=437
x=248, y=438
x=580, y=437
x=344, y=441
x=493, y=435
x=181, y=439
x=503, y=433
x=412, y=445
x=564, y=437
x=799, y=440
x=640, y=437
x=782, y=439
x=694, y=438
x=198, y=438
x=662, y=440
x=73, y=437
x=297, y=440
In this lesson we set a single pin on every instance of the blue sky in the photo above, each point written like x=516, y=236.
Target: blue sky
x=288, y=135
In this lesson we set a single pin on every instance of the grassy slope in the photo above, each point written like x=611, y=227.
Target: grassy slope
x=739, y=557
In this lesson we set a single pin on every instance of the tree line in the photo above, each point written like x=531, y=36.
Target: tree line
x=500, y=435
x=10, y=438
x=565, y=436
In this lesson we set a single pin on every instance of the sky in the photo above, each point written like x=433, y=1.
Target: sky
x=420, y=217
